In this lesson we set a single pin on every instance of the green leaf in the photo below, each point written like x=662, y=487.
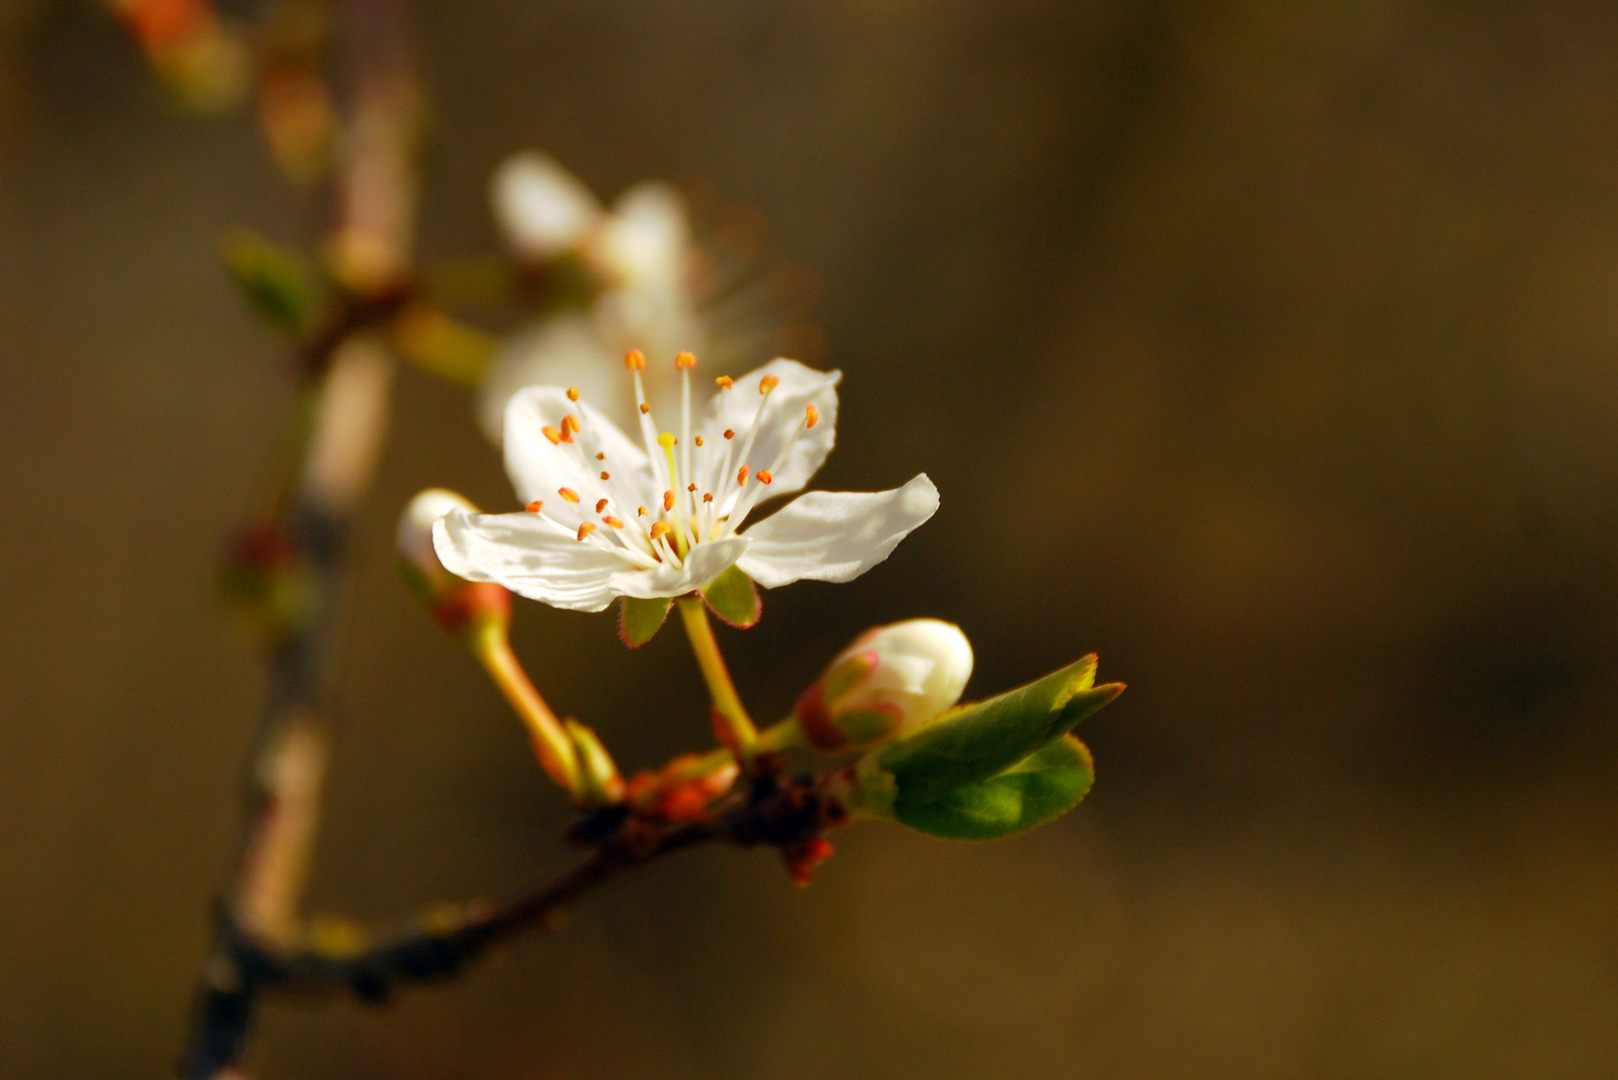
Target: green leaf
x=734, y=598
x=276, y=283
x=1038, y=789
x=978, y=741
x=640, y=620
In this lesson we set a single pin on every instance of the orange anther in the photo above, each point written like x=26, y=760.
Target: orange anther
x=668, y=500
x=586, y=529
x=601, y=456
x=724, y=382
x=741, y=474
x=685, y=360
x=708, y=497
x=645, y=408
x=570, y=425
x=536, y=506
x=640, y=511
x=552, y=434
x=730, y=433
x=661, y=529
x=573, y=393
x=614, y=522
x=764, y=476
x=605, y=475
x=635, y=360
x=699, y=440
x=601, y=504
x=811, y=416
x=691, y=488
x=768, y=383
x=569, y=494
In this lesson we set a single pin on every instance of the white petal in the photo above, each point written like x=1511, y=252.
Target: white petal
x=800, y=386
x=705, y=562
x=542, y=209
x=539, y=468
x=835, y=536
x=645, y=238
x=559, y=351
x=529, y=556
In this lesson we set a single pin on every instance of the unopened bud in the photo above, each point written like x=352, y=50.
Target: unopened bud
x=453, y=601
x=892, y=678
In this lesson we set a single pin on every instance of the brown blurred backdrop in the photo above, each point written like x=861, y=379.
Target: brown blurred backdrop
x=1269, y=349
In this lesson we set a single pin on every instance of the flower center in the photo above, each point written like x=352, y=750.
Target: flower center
x=705, y=489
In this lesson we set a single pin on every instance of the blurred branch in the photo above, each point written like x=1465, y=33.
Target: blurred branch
x=334, y=957
x=371, y=241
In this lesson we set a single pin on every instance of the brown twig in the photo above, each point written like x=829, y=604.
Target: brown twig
x=371, y=249
x=789, y=815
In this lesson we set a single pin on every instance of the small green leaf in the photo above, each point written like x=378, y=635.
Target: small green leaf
x=276, y=283
x=640, y=620
x=977, y=741
x=1036, y=790
x=734, y=598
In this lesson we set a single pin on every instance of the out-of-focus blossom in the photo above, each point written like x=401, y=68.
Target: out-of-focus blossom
x=610, y=516
x=890, y=680
x=542, y=209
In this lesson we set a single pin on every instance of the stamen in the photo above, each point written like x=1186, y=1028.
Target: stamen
x=536, y=506
x=668, y=500
x=768, y=383
x=730, y=433
x=640, y=511
x=552, y=434
x=811, y=416
x=570, y=424
x=692, y=488
x=684, y=360
x=614, y=522
x=699, y=440
x=764, y=476
x=741, y=475
x=586, y=529
x=603, y=455
x=601, y=504
x=573, y=393
x=606, y=475
x=724, y=382
x=569, y=494
x=635, y=360
x=707, y=497
x=645, y=408
x=661, y=529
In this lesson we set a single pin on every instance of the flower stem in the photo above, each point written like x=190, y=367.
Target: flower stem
x=552, y=746
x=731, y=722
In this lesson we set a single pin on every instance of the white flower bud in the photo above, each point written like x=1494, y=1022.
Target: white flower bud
x=891, y=679
x=542, y=209
x=415, y=535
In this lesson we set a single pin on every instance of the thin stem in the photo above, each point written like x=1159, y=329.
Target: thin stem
x=731, y=722
x=551, y=743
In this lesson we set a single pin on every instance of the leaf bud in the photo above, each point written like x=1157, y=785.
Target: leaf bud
x=891, y=679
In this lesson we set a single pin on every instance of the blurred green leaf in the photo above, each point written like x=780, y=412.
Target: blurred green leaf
x=974, y=742
x=1038, y=789
x=277, y=283
x=734, y=598
x=443, y=345
x=640, y=620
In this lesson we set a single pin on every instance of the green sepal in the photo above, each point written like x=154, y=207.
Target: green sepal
x=974, y=742
x=1038, y=789
x=734, y=598
x=640, y=620
x=278, y=284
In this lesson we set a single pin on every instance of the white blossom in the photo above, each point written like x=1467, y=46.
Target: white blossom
x=610, y=515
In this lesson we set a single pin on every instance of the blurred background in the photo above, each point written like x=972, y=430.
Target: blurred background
x=1269, y=350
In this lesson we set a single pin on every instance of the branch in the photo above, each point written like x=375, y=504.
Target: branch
x=765, y=810
x=371, y=244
